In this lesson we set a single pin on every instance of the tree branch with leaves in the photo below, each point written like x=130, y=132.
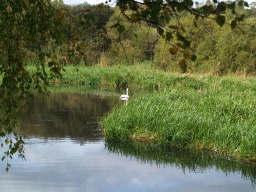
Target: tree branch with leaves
x=24, y=25
x=159, y=13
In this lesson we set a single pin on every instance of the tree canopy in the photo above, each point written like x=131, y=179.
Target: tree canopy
x=159, y=13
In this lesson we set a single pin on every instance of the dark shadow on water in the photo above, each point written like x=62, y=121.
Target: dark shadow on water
x=187, y=160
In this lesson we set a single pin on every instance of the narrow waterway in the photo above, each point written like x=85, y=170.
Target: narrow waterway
x=66, y=151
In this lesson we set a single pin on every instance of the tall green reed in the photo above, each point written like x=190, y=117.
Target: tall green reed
x=219, y=118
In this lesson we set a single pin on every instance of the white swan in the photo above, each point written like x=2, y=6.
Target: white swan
x=125, y=97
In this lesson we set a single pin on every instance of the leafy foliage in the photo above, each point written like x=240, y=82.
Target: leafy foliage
x=26, y=26
x=159, y=13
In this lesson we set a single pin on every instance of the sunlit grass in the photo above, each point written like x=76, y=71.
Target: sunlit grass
x=219, y=116
x=139, y=76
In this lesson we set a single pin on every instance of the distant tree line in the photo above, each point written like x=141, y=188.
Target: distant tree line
x=102, y=35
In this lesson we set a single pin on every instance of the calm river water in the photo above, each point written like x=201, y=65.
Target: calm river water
x=66, y=151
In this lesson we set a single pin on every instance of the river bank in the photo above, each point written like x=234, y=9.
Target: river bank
x=189, y=111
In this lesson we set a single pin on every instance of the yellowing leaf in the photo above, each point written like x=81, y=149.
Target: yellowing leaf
x=134, y=17
x=173, y=50
x=183, y=65
x=6, y=141
x=20, y=150
x=100, y=6
x=21, y=72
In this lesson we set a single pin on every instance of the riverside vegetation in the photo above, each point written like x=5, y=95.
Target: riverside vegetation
x=131, y=32
x=188, y=111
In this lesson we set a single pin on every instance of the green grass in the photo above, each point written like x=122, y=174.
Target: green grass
x=188, y=111
x=140, y=76
x=201, y=113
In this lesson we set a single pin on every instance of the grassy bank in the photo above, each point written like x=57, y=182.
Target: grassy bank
x=194, y=112
x=140, y=76
x=198, y=112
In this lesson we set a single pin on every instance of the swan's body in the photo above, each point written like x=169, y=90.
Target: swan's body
x=124, y=97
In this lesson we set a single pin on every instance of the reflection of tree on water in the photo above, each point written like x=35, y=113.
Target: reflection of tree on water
x=66, y=115
x=192, y=161
x=60, y=115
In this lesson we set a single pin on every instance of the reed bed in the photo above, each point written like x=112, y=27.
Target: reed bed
x=139, y=76
x=219, y=116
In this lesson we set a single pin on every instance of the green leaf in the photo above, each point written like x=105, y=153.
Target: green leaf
x=222, y=6
x=246, y=4
x=188, y=3
x=233, y=24
x=168, y=36
x=232, y=5
x=160, y=31
x=220, y=20
x=206, y=9
x=240, y=3
x=120, y=28
x=186, y=43
x=193, y=58
x=2, y=134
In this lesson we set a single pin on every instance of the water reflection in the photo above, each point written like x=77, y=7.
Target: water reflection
x=66, y=151
x=186, y=160
x=62, y=115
